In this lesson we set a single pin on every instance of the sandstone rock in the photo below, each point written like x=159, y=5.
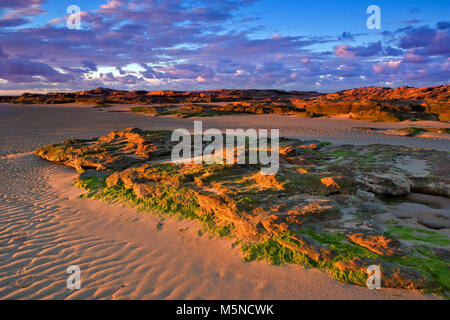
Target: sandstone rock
x=302, y=170
x=311, y=146
x=113, y=179
x=434, y=222
x=392, y=275
x=300, y=243
x=445, y=117
x=377, y=243
x=116, y=151
x=226, y=210
x=129, y=178
x=144, y=191
x=312, y=211
x=439, y=186
x=402, y=214
x=331, y=184
x=267, y=181
x=442, y=253
x=365, y=195
x=389, y=182
x=94, y=174
x=374, y=103
x=320, y=196
x=396, y=277
x=286, y=151
x=372, y=207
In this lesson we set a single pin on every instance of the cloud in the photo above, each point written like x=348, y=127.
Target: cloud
x=11, y=4
x=12, y=22
x=426, y=41
x=91, y=66
x=358, y=51
x=391, y=51
x=3, y=54
x=346, y=36
x=14, y=69
x=387, y=66
x=413, y=21
x=15, y=15
x=417, y=37
x=206, y=44
x=188, y=71
x=443, y=25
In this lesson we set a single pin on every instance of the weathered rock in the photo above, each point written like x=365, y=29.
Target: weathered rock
x=392, y=275
x=94, y=174
x=320, y=192
x=266, y=181
x=299, y=243
x=312, y=211
x=403, y=214
x=388, y=182
x=433, y=222
x=371, y=103
x=372, y=207
x=113, y=179
x=365, y=195
x=310, y=146
x=286, y=151
x=377, y=243
x=439, y=186
x=333, y=184
x=130, y=177
x=143, y=190
x=117, y=151
x=442, y=253
x=395, y=277
x=226, y=210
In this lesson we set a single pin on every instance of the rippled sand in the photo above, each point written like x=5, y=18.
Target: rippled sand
x=45, y=227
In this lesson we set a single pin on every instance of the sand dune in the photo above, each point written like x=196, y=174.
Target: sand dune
x=45, y=227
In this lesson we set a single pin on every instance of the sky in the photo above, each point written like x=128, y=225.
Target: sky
x=323, y=46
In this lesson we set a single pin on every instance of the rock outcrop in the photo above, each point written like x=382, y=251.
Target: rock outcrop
x=319, y=209
x=372, y=103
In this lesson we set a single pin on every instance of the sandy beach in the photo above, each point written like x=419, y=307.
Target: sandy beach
x=45, y=227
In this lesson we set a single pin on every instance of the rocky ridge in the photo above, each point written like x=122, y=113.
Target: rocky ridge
x=371, y=103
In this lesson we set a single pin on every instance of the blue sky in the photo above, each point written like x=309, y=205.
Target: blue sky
x=209, y=44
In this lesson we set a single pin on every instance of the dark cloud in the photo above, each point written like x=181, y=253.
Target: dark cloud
x=359, y=51
x=91, y=66
x=3, y=54
x=391, y=51
x=12, y=4
x=346, y=36
x=443, y=25
x=15, y=69
x=14, y=22
x=417, y=37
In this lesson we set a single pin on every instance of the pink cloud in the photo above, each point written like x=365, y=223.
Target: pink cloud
x=342, y=51
x=387, y=66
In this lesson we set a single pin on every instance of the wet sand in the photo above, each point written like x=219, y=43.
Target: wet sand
x=45, y=227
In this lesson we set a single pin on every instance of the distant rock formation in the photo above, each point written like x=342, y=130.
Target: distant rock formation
x=370, y=103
